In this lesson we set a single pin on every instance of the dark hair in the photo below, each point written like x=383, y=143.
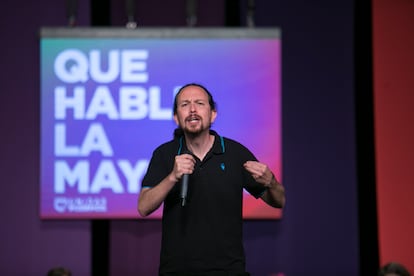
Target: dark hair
x=395, y=268
x=211, y=101
x=178, y=132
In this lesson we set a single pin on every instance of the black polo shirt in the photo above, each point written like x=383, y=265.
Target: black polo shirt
x=206, y=234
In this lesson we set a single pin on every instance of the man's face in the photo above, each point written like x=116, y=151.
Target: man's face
x=194, y=114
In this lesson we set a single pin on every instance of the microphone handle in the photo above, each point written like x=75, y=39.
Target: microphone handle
x=184, y=188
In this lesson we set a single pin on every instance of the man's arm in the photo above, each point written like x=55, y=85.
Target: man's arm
x=150, y=199
x=275, y=193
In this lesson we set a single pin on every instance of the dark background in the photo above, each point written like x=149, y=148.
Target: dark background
x=327, y=143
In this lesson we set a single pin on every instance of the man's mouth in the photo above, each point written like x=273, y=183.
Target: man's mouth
x=193, y=119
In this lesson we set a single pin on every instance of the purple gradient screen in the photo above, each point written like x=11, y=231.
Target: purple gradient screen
x=106, y=104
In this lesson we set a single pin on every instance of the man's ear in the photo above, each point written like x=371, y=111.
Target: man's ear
x=176, y=119
x=213, y=116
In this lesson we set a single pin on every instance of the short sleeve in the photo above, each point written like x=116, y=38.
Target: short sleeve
x=249, y=183
x=158, y=169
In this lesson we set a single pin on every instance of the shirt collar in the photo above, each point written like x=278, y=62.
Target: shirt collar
x=218, y=145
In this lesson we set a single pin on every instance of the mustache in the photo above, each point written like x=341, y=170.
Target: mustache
x=192, y=117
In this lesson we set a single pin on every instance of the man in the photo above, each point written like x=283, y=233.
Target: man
x=203, y=235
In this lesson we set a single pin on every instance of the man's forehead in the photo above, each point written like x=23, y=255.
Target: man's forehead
x=193, y=93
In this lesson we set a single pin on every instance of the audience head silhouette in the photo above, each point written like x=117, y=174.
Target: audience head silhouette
x=59, y=271
x=393, y=269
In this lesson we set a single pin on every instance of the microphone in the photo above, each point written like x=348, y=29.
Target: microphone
x=184, y=189
x=191, y=8
x=71, y=10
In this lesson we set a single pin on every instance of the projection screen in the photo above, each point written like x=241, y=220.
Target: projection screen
x=106, y=104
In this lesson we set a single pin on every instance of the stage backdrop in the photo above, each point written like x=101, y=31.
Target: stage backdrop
x=106, y=104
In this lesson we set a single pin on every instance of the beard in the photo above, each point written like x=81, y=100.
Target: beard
x=195, y=132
